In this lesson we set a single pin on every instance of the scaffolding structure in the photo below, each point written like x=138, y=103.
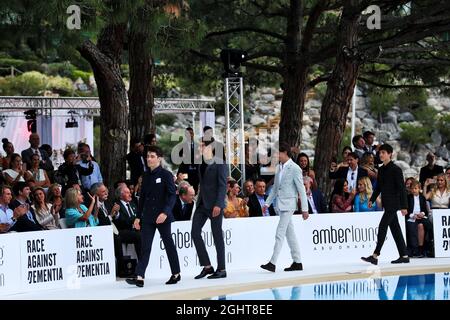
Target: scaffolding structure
x=235, y=139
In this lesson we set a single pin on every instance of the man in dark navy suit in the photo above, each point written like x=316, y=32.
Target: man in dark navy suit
x=257, y=200
x=351, y=173
x=391, y=185
x=210, y=205
x=158, y=195
x=182, y=211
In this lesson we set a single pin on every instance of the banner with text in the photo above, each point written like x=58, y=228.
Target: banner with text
x=441, y=228
x=57, y=259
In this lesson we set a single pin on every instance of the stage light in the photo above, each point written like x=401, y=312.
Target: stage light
x=232, y=59
x=30, y=115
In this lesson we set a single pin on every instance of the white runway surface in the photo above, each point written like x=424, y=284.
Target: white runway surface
x=236, y=281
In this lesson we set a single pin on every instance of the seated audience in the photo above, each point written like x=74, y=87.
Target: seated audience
x=36, y=174
x=8, y=217
x=341, y=199
x=236, y=207
x=77, y=214
x=316, y=200
x=439, y=194
x=257, y=200
x=46, y=214
x=16, y=171
x=362, y=198
x=184, y=205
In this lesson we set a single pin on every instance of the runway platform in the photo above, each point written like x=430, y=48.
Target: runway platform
x=236, y=281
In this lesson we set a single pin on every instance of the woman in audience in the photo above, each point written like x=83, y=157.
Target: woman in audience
x=408, y=183
x=77, y=214
x=303, y=162
x=39, y=176
x=439, y=195
x=362, y=198
x=341, y=199
x=16, y=171
x=236, y=207
x=368, y=162
x=46, y=214
x=9, y=150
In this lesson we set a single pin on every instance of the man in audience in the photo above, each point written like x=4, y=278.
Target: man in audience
x=45, y=163
x=316, y=200
x=28, y=221
x=359, y=144
x=96, y=176
x=188, y=165
x=124, y=219
x=135, y=159
x=182, y=211
x=9, y=218
x=249, y=188
x=351, y=173
x=257, y=200
x=430, y=170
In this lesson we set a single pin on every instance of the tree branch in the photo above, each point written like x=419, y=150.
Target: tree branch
x=263, y=67
x=393, y=86
x=247, y=29
x=316, y=81
x=415, y=62
x=312, y=24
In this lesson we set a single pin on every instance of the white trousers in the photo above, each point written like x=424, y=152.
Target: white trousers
x=286, y=229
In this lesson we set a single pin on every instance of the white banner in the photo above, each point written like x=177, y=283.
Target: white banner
x=9, y=262
x=441, y=228
x=324, y=239
x=54, y=259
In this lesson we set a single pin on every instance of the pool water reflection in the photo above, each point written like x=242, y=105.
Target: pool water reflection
x=434, y=286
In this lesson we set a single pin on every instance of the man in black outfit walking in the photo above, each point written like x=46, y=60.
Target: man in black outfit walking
x=393, y=196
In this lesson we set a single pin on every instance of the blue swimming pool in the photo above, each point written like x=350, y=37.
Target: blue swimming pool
x=433, y=286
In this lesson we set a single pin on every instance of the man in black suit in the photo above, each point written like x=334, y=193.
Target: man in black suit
x=210, y=205
x=393, y=196
x=158, y=195
x=188, y=156
x=13, y=220
x=105, y=217
x=316, y=200
x=257, y=200
x=351, y=173
x=135, y=160
x=182, y=211
x=28, y=221
x=124, y=219
x=45, y=163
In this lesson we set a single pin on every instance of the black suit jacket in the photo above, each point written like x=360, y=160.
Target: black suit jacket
x=23, y=224
x=158, y=194
x=319, y=202
x=178, y=212
x=213, y=185
x=254, y=208
x=423, y=204
x=391, y=185
x=135, y=165
x=342, y=172
x=124, y=221
x=103, y=216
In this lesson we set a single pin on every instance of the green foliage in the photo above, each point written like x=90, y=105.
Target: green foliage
x=381, y=101
x=28, y=84
x=346, y=141
x=64, y=69
x=415, y=133
x=165, y=143
x=426, y=115
x=163, y=82
x=60, y=85
x=166, y=119
x=444, y=126
x=411, y=98
x=81, y=74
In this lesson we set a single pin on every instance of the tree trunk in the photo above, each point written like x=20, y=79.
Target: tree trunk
x=336, y=103
x=292, y=106
x=105, y=62
x=140, y=95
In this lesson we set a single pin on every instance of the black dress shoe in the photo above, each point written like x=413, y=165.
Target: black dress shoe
x=269, y=267
x=370, y=259
x=294, y=267
x=135, y=281
x=401, y=260
x=205, y=272
x=174, y=279
x=218, y=274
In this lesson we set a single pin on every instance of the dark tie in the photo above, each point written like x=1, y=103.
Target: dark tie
x=130, y=212
x=183, y=209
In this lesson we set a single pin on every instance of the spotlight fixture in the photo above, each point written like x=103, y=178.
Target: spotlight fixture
x=232, y=59
x=72, y=122
x=30, y=115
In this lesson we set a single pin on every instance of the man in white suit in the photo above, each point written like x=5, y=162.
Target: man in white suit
x=288, y=185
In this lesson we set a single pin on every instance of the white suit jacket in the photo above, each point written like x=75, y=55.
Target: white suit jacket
x=289, y=188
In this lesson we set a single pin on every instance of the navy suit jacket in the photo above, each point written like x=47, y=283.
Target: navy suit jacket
x=178, y=212
x=254, y=208
x=158, y=195
x=124, y=221
x=213, y=185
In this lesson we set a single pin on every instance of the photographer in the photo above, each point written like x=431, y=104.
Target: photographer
x=84, y=160
x=69, y=172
